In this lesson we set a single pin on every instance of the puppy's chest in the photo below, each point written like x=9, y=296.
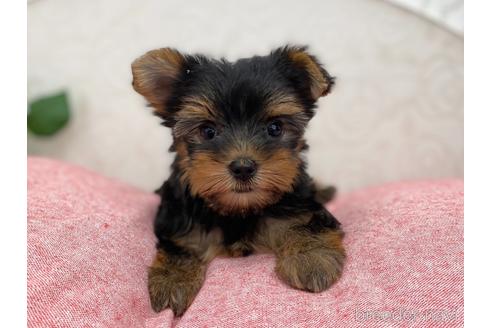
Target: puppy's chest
x=236, y=237
x=228, y=240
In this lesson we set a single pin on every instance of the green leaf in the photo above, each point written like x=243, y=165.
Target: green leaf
x=48, y=115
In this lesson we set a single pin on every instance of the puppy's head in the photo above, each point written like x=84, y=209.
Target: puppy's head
x=237, y=127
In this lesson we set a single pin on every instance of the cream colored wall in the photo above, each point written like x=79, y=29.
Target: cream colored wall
x=448, y=13
x=396, y=113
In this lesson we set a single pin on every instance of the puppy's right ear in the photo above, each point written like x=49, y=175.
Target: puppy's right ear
x=155, y=74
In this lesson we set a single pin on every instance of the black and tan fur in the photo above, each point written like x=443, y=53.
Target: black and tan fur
x=238, y=183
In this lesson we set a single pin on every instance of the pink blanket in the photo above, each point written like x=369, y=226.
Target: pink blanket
x=90, y=240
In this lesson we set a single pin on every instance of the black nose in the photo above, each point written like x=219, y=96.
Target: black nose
x=243, y=168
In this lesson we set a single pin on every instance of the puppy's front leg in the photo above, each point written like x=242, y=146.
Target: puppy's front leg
x=174, y=280
x=309, y=250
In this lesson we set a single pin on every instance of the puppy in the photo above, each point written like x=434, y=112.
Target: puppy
x=238, y=183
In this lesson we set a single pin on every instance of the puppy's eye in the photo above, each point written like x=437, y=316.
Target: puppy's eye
x=274, y=128
x=208, y=132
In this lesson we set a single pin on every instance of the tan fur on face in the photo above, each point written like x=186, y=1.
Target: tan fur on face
x=209, y=178
x=206, y=175
x=182, y=154
x=196, y=107
x=193, y=112
x=278, y=171
x=283, y=105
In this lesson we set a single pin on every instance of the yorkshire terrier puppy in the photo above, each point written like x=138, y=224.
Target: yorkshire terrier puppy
x=238, y=183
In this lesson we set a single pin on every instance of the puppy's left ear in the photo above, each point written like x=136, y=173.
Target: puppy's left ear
x=305, y=72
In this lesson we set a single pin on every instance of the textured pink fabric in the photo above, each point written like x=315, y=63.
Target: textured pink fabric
x=90, y=240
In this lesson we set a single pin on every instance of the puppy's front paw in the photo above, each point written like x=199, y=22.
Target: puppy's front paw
x=312, y=263
x=315, y=270
x=174, y=287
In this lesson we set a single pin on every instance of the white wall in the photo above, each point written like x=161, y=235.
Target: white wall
x=396, y=113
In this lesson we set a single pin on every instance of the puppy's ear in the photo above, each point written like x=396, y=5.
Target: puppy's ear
x=156, y=74
x=305, y=71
